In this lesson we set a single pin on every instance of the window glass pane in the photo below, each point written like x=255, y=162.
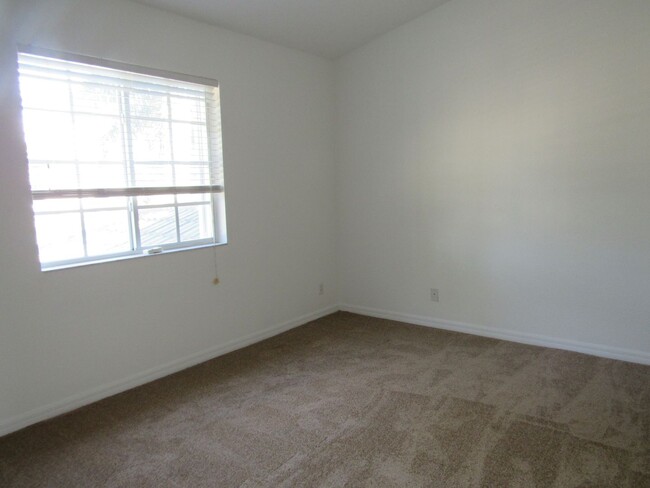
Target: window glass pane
x=190, y=142
x=155, y=200
x=157, y=226
x=56, y=205
x=102, y=175
x=148, y=104
x=93, y=98
x=192, y=174
x=150, y=140
x=49, y=135
x=45, y=94
x=195, y=222
x=39, y=176
x=105, y=203
x=59, y=237
x=107, y=232
x=193, y=198
x=189, y=109
x=154, y=174
x=99, y=138
x=53, y=176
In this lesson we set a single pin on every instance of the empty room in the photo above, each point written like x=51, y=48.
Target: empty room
x=322, y=243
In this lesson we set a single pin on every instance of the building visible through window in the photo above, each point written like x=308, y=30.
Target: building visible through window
x=121, y=163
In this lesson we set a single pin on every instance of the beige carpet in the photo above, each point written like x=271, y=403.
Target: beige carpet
x=354, y=401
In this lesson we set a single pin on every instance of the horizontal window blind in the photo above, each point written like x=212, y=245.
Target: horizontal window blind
x=94, y=131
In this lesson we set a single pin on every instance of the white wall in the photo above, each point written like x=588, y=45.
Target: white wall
x=67, y=335
x=500, y=151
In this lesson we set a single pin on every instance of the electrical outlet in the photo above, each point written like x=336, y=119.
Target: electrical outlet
x=434, y=295
x=321, y=289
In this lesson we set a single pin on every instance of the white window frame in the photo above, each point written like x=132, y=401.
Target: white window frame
x=216, y=192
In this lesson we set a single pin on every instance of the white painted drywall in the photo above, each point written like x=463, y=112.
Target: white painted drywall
x=500, y=151
x=69, y=332
x=324, y=27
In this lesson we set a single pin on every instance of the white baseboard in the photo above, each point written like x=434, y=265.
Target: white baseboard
x=94, y=394
x=629, y=355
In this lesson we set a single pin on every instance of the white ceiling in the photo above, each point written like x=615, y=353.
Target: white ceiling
x=325, y=27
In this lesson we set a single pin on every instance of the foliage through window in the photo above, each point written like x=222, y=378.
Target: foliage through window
x=121, y=163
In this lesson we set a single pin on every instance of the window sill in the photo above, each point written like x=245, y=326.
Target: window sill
x=126, y=257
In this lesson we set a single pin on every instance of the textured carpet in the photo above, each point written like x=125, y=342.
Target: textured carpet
x=349, y=400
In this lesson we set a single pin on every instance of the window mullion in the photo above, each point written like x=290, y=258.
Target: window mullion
x=82, y=217
x=125, y=113
x=171, y=150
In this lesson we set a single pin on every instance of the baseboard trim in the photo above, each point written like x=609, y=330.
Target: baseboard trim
x=629, y=355
x=87, y=397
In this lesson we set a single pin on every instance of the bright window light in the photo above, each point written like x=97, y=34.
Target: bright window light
x=122, y=162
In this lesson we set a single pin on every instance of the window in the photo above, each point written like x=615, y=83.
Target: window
x=123, y=161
